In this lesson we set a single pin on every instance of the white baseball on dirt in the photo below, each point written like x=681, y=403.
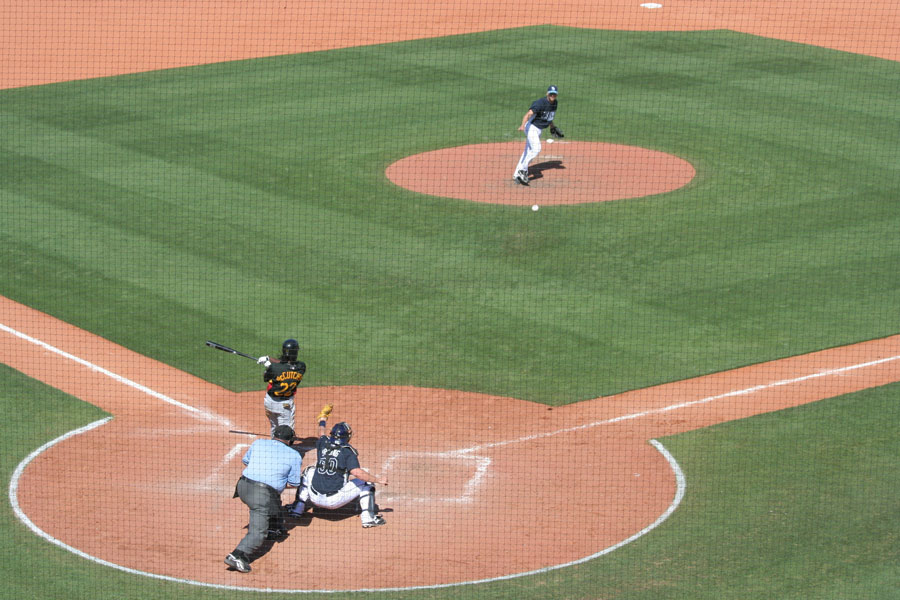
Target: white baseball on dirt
x=550, y=141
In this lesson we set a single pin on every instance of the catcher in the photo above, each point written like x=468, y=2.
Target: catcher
x=337, y=479
x=539, y=117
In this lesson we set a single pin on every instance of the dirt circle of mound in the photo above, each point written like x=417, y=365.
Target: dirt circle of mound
x=563, y=173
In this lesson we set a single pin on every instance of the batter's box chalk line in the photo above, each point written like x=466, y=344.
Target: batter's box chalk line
x=478, y=464
x=482, y=464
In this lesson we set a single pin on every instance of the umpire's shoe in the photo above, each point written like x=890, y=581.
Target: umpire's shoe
x=238, y=560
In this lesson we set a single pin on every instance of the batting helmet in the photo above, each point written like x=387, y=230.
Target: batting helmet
x=289, y=350
x=341, y=432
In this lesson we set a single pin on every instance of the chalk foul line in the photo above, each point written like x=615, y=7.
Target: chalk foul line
x=665, y=409
x=196, y=412
x=465, y=453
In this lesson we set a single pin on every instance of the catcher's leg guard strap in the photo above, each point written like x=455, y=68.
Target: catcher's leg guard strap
x=367, y=499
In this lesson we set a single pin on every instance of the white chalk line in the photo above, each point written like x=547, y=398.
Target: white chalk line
x=463, y=452
x=195, y=412
x=481, y=466
x=681, y=486
x=20, y=514
x=211, y=480
x=647, y=413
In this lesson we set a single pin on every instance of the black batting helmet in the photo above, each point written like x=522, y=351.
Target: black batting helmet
x=289, y=350
x=341, y=432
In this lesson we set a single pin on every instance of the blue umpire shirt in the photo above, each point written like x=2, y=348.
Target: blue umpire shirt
x=274, y=463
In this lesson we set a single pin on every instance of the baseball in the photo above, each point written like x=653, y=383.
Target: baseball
x=550, y=141
x=534, y=207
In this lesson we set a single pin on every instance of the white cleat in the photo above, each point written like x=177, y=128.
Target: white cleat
x=375, y=522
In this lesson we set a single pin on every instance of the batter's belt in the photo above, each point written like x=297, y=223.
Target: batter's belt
x=280, y=398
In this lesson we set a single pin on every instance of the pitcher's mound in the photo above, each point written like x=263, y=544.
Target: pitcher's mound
x=563, y=173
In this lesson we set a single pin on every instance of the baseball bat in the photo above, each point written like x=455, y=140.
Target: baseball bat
x=296, y=444
x=227, y=349
x=246, y=433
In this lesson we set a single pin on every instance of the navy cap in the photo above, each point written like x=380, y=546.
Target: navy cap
x=552, y=90
x=283, y=432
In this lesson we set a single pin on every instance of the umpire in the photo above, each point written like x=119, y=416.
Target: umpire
x=272, y=465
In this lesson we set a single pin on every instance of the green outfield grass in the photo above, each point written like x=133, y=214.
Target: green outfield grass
x=246, y=202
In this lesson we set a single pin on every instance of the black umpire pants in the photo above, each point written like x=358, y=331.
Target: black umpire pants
x=265, y=506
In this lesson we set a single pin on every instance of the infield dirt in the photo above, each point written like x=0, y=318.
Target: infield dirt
x=151, y=490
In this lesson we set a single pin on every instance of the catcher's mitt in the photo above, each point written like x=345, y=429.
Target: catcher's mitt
x=326, y=411
x=554, y=130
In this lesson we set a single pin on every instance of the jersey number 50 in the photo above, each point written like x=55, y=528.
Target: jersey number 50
x=327, y=465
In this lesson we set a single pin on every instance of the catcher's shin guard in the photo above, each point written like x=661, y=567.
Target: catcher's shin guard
x=305, y=482
x=296, y=509
x=367, y=500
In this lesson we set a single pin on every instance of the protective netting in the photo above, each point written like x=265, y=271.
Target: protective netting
x=653, y=355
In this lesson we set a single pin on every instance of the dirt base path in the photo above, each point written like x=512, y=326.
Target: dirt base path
x=151, y=489
x=60, y=40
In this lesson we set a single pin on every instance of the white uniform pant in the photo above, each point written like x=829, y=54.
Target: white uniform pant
x=532, y=147
x=353, y=489
x=279, y=412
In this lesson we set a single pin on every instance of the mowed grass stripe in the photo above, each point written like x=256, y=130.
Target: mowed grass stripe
x=247, y=201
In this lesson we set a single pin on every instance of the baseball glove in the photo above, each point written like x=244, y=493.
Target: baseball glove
x=326, y=410
x=554, y=130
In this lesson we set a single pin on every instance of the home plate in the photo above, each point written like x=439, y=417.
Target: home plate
x=435, y=476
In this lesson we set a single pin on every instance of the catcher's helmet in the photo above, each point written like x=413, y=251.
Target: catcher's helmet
x=341, y=432
x=289, y=350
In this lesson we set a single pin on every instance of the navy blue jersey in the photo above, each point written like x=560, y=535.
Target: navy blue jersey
x=333, y=465
x=544, y=111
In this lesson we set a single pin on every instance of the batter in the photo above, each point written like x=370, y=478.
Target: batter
x=282, y=378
